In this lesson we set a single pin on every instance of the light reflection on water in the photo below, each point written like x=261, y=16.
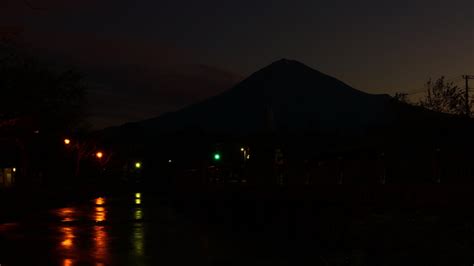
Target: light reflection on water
x=67, y=214
x=138, y=214
x=100, y=243
x=138, y=240
x=69, y=232
x=100, y=214
x=99, y=201
x=68, y=237
x=93, y=233
x=138, y=234
x=100, y=235
x=67, y=262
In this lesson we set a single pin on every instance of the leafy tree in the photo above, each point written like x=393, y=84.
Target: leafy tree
x=443, y=96
x=33, y=92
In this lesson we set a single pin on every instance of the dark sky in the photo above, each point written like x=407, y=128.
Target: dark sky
x=155, y=56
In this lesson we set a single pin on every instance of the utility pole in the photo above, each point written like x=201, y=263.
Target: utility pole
x=467, y=104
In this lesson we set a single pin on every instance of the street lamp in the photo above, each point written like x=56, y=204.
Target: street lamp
x=138, y=165
x=99, y=155
x=67, y=141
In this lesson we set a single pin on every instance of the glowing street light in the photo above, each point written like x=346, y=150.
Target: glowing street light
x=138, y=165
x=138, y=195
x=99, y=155
x=67, y=141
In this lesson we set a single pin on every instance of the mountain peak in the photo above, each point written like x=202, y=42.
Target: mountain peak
x=289, y=67
x=284, y=62
x=294, y=95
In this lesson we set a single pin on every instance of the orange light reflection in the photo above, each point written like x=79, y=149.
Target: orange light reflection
x=68, y=237
x=99, y=201
x=66, y=214
x=100, y=243
x=67, y=262
x=100, y=214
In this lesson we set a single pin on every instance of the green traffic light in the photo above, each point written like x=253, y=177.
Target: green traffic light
x=217, y=156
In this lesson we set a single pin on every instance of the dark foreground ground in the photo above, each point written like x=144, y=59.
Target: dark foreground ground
x=239, y=229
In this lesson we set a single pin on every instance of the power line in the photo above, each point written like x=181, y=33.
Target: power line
x=466, y=94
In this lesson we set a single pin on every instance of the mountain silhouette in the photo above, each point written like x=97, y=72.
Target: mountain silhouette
x=284, y=96
x=308, y=115
x=288, y=98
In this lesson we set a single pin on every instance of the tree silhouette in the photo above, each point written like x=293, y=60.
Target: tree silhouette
x=443, y=96
x=401, y=97
x=34, y=91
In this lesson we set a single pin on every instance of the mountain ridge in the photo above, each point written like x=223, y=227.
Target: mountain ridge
x=285, y=88
x=288, y=97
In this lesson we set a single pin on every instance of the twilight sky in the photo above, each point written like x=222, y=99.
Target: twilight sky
x=149, y=57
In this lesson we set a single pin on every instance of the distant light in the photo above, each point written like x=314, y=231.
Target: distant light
x=248, y=156
x=138, y=195
x=67, y=141
x=138, y=165
x=242, y=149
x=99, y=155
x=138, y=201
x=14, y=169
x=170, y=161
x=36, y=131
x=217, y=156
